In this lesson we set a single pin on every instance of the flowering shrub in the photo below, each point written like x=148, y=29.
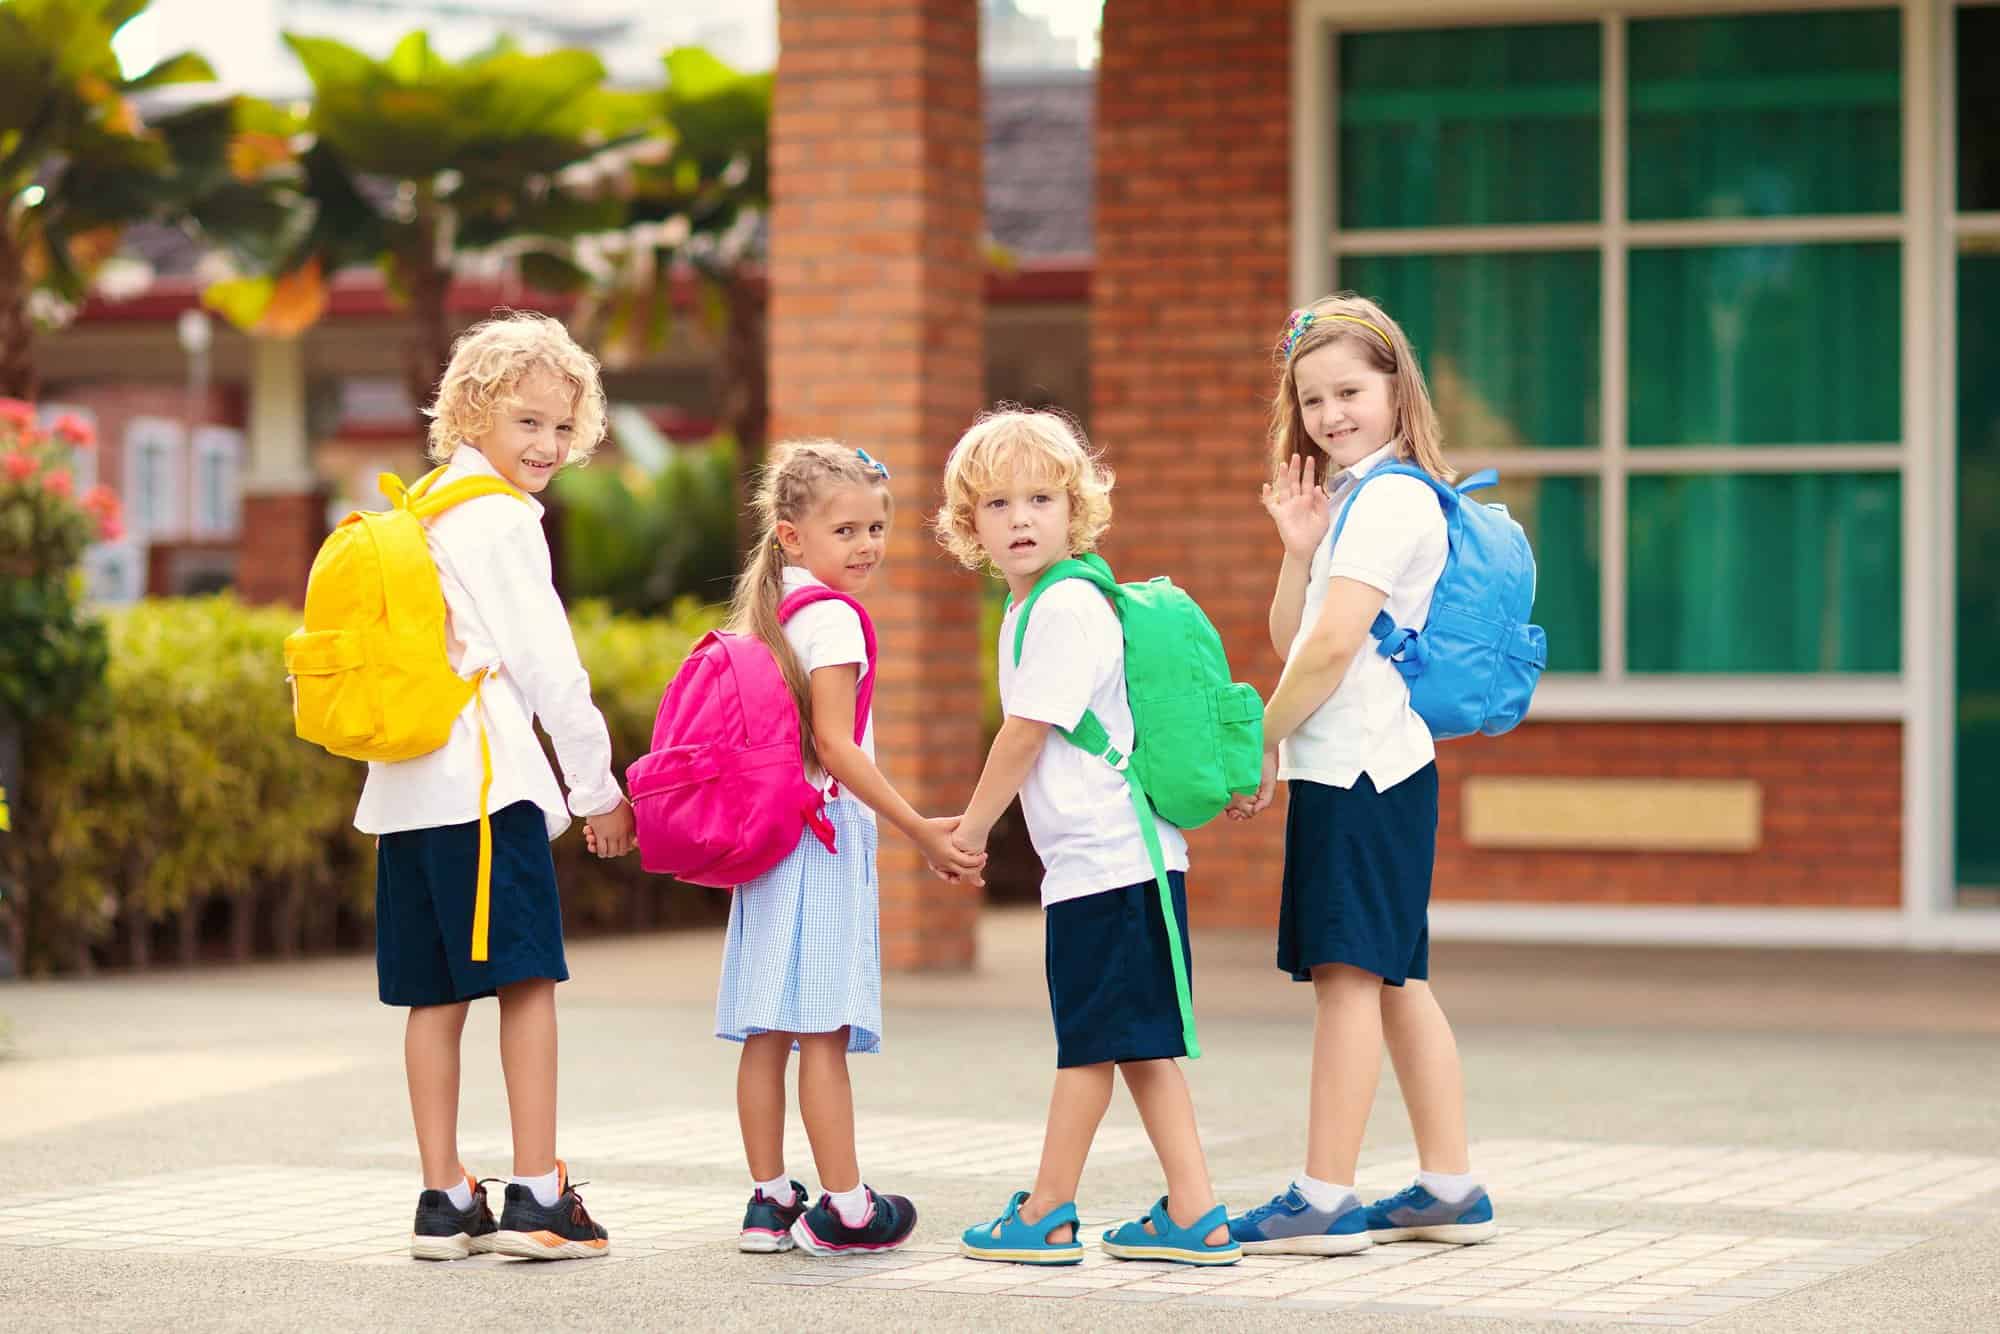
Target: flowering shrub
x=44, y=524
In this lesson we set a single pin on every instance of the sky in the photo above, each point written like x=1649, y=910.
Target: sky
x=240, y=37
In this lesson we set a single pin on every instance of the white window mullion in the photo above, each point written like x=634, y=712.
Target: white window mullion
x=1611, y=352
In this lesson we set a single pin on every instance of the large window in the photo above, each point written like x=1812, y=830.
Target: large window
x=1653, y=268
x=1976, y=233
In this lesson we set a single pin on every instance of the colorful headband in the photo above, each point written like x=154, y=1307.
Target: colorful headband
x=1302, y=320
x=881, y=469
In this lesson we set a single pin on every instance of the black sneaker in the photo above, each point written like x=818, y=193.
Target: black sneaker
x=560, y=1231
x=888, y=1224
x=445, y=1233
x=767, y=1225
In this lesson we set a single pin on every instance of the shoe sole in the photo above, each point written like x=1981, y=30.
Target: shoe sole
x=757, y=1241
x=456, y=1247
x=1323, y=1244
x=1174, y=1254
x=1063, y=1257
x=547, y=1246
x=1449, y=1234
x=806, y=1241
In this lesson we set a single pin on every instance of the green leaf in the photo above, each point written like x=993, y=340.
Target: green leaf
x=328, y=63
x=187, y=67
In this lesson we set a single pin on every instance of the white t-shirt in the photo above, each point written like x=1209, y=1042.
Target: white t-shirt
x=1394, y=541
x=828, y=634
x=1079, y=808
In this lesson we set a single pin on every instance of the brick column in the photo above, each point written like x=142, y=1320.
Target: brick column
x=1193, y=228
x=876, y=338
x=284, y=504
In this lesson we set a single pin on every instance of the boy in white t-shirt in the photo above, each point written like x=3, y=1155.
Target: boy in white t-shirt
x=1022, y=492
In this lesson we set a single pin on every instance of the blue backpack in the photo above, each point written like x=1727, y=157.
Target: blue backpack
x=1474, y=665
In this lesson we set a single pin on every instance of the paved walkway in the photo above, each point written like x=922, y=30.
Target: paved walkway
x=1727, y=1141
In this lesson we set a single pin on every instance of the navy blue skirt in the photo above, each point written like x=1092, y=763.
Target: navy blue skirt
x=1357, y=884
x=1111, y=978
x=425, y=884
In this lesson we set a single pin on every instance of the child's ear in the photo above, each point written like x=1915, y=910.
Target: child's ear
x=788, y=536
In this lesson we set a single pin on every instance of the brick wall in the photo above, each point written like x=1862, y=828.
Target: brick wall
x=1190, y=290
x=876, y=338
x=1193, y=228
x=1832, y=814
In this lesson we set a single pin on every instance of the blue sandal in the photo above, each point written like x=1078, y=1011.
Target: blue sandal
x=1009, y=1238
x=1169, y=1241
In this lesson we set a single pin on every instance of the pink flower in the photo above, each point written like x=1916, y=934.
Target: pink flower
x=110, y=528
x=75, y=430
x=57, y=482
x=16, y=413
x=102, y=501
x=20, y=467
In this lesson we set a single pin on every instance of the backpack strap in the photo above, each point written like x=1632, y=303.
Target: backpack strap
x=864, y=698
x=426, y=500
x=1090, y=735
x=1400, y=644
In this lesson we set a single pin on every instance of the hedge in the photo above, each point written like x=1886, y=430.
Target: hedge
x=185, y=810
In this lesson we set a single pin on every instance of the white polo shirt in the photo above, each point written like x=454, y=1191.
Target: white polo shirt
x=1393, y=541
x=1079, y=809
x=828, y=634
x=501, y=613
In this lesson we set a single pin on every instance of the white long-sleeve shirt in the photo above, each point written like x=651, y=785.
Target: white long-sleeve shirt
x=502, y=613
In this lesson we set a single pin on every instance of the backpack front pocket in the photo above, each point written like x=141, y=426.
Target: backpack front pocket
x=334, y=702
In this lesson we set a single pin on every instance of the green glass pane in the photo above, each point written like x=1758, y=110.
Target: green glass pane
x=1765, y=115
x=1978, y=110
x=1792, y=572
x=1766, y=345
x=1508, y=342
x=1466, y=126
x=1978, y=568
x=1560, y=516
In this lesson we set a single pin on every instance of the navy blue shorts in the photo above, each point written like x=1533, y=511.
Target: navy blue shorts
x=1358, y=877
x=1111, y=978
x=425, y=884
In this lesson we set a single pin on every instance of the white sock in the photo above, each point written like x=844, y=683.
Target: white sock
x=548, y=1189
x=1451, y=1187
x=1324, y=1196
x=778, y=1190
x=461, y=1195
x=851, y=1205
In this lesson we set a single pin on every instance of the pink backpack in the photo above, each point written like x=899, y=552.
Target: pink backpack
x=722, y=796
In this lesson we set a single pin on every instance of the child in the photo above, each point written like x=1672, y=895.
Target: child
x=518, y=401
x=1021, y=493
x=803, y=965
x=1361, y=828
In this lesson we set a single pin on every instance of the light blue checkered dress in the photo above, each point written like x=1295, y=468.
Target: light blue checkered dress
x=804, y=949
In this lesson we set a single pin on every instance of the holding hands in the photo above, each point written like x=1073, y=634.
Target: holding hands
x=950, y=856
x=613, y=833
x=1298, y=504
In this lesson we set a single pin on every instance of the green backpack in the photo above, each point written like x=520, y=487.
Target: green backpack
x=1198, y=737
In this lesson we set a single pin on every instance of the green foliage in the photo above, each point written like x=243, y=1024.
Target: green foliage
x=193, y=784
x=643, y=543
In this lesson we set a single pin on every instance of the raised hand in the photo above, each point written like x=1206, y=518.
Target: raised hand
x=1298, y=504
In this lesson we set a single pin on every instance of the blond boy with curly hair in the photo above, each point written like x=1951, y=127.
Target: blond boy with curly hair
x=519, y=401
x=1023, y=492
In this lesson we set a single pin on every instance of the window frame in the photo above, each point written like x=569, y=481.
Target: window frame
x=1318, y=244
x=169, y=498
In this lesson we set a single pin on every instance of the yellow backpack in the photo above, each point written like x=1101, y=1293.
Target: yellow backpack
x=369, y=675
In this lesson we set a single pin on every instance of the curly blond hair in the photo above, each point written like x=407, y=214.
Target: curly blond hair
x=1011, y=442
x=487, y=364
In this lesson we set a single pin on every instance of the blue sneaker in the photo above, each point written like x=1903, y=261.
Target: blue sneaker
x=1289, y=1225
x=820, y=1230
x=767, y=1225
x=1414, y=1214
